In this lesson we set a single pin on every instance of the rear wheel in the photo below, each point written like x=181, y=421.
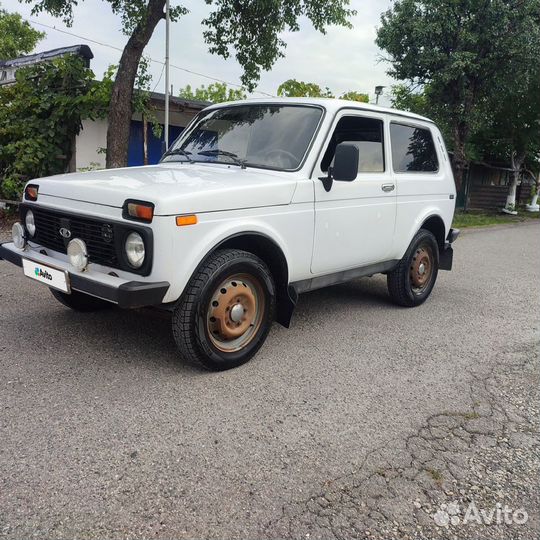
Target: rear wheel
x=413, y=279
x=80, y=302
x=226, y=312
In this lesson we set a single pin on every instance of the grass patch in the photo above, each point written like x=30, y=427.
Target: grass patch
x=436, y=475
x=477, y=218
x=470, y=415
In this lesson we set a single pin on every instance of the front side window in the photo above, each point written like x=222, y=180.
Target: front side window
x=258, y=135
x=413, y=149
x=366, y=134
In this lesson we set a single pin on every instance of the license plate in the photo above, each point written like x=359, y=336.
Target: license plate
x=58, y=279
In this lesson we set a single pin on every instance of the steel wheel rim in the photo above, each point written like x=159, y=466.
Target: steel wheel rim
x=421, y=269
x=235, y=312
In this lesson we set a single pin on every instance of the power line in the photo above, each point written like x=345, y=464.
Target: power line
x=149, y=58
x=159, y=80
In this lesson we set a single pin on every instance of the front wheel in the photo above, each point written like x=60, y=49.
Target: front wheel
x=226, y=311
x=412, y=280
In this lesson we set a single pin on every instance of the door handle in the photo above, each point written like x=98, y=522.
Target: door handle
x=388, y=187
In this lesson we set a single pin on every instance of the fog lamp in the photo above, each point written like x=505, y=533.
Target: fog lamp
x=77, y=253
x=18, y=235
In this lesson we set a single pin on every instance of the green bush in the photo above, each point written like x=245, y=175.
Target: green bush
x=40, y=115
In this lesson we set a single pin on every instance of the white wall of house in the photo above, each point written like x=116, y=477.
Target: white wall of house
x=89, y=141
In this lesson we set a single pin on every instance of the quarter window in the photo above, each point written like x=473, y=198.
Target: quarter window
x=366, y=134
x=413, y=149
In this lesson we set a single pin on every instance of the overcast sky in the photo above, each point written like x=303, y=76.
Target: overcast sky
x=342, y=59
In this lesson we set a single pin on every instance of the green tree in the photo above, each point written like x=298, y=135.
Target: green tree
x=249, y=30
x=294, y=88
x=214, y=93
x=40, y=114
x=461, y=49
x=17, y=37
x=512, y=135
x=405, y=99
x=141, y=93
x=355, y=96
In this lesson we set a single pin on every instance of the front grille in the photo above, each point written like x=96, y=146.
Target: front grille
x=98, y=235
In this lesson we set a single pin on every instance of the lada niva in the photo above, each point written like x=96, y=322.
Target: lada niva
x=255, y=203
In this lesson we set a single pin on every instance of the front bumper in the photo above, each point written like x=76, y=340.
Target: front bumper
x=446, y=253
x=126, y=294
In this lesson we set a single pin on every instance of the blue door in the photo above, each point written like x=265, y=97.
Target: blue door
x=136, y=143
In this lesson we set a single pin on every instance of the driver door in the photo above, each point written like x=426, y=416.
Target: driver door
x=354, y=221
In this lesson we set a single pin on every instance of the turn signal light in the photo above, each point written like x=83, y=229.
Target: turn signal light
x=186, y=220
x=139, y=210
x=31, y=192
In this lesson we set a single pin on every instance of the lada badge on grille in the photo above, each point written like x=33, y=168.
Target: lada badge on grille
x=66, y=233
x=107, y=233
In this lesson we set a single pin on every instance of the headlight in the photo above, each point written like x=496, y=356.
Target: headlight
x=30, y=223
x=135, y=249
x=18, y=235
x=77, y=253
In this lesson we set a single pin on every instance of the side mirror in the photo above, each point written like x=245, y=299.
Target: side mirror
x=345, y=167
x=346, y=162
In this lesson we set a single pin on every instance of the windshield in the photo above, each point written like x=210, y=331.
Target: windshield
x=268, y=136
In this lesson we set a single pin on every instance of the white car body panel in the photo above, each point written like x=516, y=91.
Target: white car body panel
x=353, y=225
x=354, y=221
x=175, y=188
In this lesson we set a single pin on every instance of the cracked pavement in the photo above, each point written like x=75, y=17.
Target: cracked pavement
x=361, y=421
x=487, y=455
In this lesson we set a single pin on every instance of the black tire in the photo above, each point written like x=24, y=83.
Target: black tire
x=203, y=338
x=81, y=302
x=404, y=282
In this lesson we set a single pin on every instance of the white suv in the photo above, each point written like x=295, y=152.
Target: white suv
x=256, y=202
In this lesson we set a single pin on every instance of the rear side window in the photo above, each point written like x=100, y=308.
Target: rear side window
x=413, y=149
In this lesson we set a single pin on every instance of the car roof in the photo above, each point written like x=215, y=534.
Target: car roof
x=330, y=104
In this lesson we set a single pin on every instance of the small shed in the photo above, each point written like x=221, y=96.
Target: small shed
x=486, y=187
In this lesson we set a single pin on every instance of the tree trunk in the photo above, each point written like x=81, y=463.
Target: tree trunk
x=517, y=163
x=121, y=107
x=459, y=163
x=533, y=206
x=145, y=140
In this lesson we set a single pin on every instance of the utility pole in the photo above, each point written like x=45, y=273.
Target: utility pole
x=167, y=25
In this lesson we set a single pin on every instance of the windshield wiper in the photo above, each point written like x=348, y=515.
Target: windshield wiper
x=232, y=155
x=178, y=152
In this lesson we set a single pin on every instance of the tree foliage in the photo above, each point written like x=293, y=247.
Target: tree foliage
x=294, y=88
x=248, y=30
x=466, y=53
x=214, y=93
x=43, y=111
x=251, y=30
x=131, y=12
x=39, y=117
x=355, y=96
x=17, y=37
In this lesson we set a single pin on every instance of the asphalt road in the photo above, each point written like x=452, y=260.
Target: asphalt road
x=331, y=431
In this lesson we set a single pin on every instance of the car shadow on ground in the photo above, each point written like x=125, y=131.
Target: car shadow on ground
x=143, y=337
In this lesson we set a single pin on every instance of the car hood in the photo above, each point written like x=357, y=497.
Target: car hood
x=175, y=188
